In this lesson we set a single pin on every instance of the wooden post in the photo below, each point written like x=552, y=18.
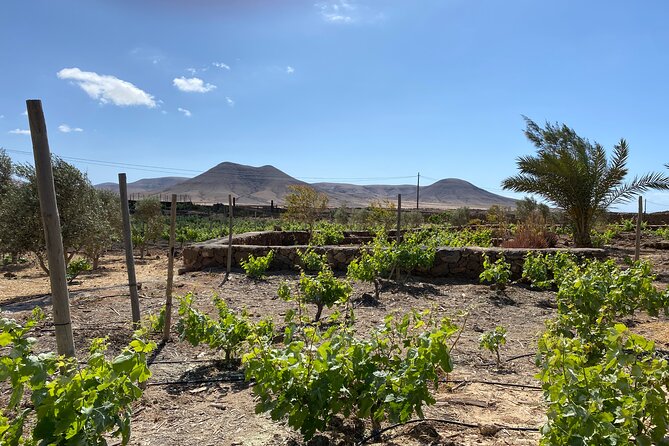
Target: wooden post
x=127, y=239
x=637, y=246
x=46, y=190
x=229, y=263
x=418, y=190
x=399, y=225
x=170, y=270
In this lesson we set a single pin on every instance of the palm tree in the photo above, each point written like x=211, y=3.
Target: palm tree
x=575, y=175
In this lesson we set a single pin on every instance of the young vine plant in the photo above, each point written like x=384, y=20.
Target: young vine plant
x=69, y=404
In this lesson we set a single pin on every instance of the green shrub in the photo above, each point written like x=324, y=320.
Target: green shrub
x=311, y=260
x=256, y=267
x=228, y=333
x=497, y=273
x=493, y=340
x=327, y=234
x=76, y=267
x=324, y=290
x=316, y=375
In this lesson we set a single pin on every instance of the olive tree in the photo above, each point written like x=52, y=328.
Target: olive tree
x=20, y=220
x=105, y=225
x=148, y=223
x=304, y=204
x=575, y=175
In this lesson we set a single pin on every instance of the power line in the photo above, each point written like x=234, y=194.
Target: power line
x=171, y=170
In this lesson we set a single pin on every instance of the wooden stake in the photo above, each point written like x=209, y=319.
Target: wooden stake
x=46, y=190
x=170, y=270
x=229, y=263
x=637, y=246
x=129, y=259
x=399, y=223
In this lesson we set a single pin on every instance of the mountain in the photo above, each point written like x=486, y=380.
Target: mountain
x=145, y=186
x=260, y=185
x=446, y=193
x=249, y=185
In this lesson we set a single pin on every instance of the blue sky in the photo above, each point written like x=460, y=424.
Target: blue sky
x=360, y=91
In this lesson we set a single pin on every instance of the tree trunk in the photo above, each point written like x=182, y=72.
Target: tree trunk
x=318, y=313
x=40, y=260
x=582, y=225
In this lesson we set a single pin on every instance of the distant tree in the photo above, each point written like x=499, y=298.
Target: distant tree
x=6, y=171
x=149, y=223
x=576, y=176
x=304, y=204
x=529, y=207
x=105, y=225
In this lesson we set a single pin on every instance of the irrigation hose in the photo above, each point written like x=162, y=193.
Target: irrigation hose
x=377, y=435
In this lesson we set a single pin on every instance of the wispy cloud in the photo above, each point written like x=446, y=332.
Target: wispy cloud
x=192, y=85
x=107, y=89
x=290, y=70
x=338, y=11
x=191, y=70
x=230, y=102
x=221, y=65
x=2, y=116
x=19, y=132
x=347, y=12
x=186, y=113
x=67, y=129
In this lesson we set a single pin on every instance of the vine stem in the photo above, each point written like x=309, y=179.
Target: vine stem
x=376, y=435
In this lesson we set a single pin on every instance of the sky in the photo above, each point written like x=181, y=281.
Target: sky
x=356, y=91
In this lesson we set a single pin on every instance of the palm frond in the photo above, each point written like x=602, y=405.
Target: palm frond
x=626, y=192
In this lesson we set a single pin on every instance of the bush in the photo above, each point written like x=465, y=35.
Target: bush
x=497, y=273
x=493, y=340
x=256, y=267
x=327, y=234
x=227, y=334
x=324, y=290
x=312, y=261
x=76, y=267
x=317, y=375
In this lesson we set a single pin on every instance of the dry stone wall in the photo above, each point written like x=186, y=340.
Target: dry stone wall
x=449, y=262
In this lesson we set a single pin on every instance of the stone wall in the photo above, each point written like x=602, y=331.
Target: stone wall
x=449, y=262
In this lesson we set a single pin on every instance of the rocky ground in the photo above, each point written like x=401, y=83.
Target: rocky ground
x=218, y=408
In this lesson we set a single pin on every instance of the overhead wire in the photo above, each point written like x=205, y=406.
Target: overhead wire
x=173, y=170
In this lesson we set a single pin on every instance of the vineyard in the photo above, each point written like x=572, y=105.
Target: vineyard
x=275, y=358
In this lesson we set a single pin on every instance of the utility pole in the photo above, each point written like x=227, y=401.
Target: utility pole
x=417, y=190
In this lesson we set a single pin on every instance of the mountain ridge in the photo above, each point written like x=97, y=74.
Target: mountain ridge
x=261, y=185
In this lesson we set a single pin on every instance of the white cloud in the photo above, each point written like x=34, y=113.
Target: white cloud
x=290, y=70
x=221, y=65
x=339, y=11
x=163, y=112
x=230, y=102
x=186, y=113
x=107, y=89
x=192, y=85
x=20, y=132
x=24, y=113
x=191, y=70
x=67, y=129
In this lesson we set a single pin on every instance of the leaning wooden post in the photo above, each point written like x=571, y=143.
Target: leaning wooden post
x=637, y=246
x=399, y=225
x=46, y=190
x=229, y=263
x=129, y=260
x=170, y=270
